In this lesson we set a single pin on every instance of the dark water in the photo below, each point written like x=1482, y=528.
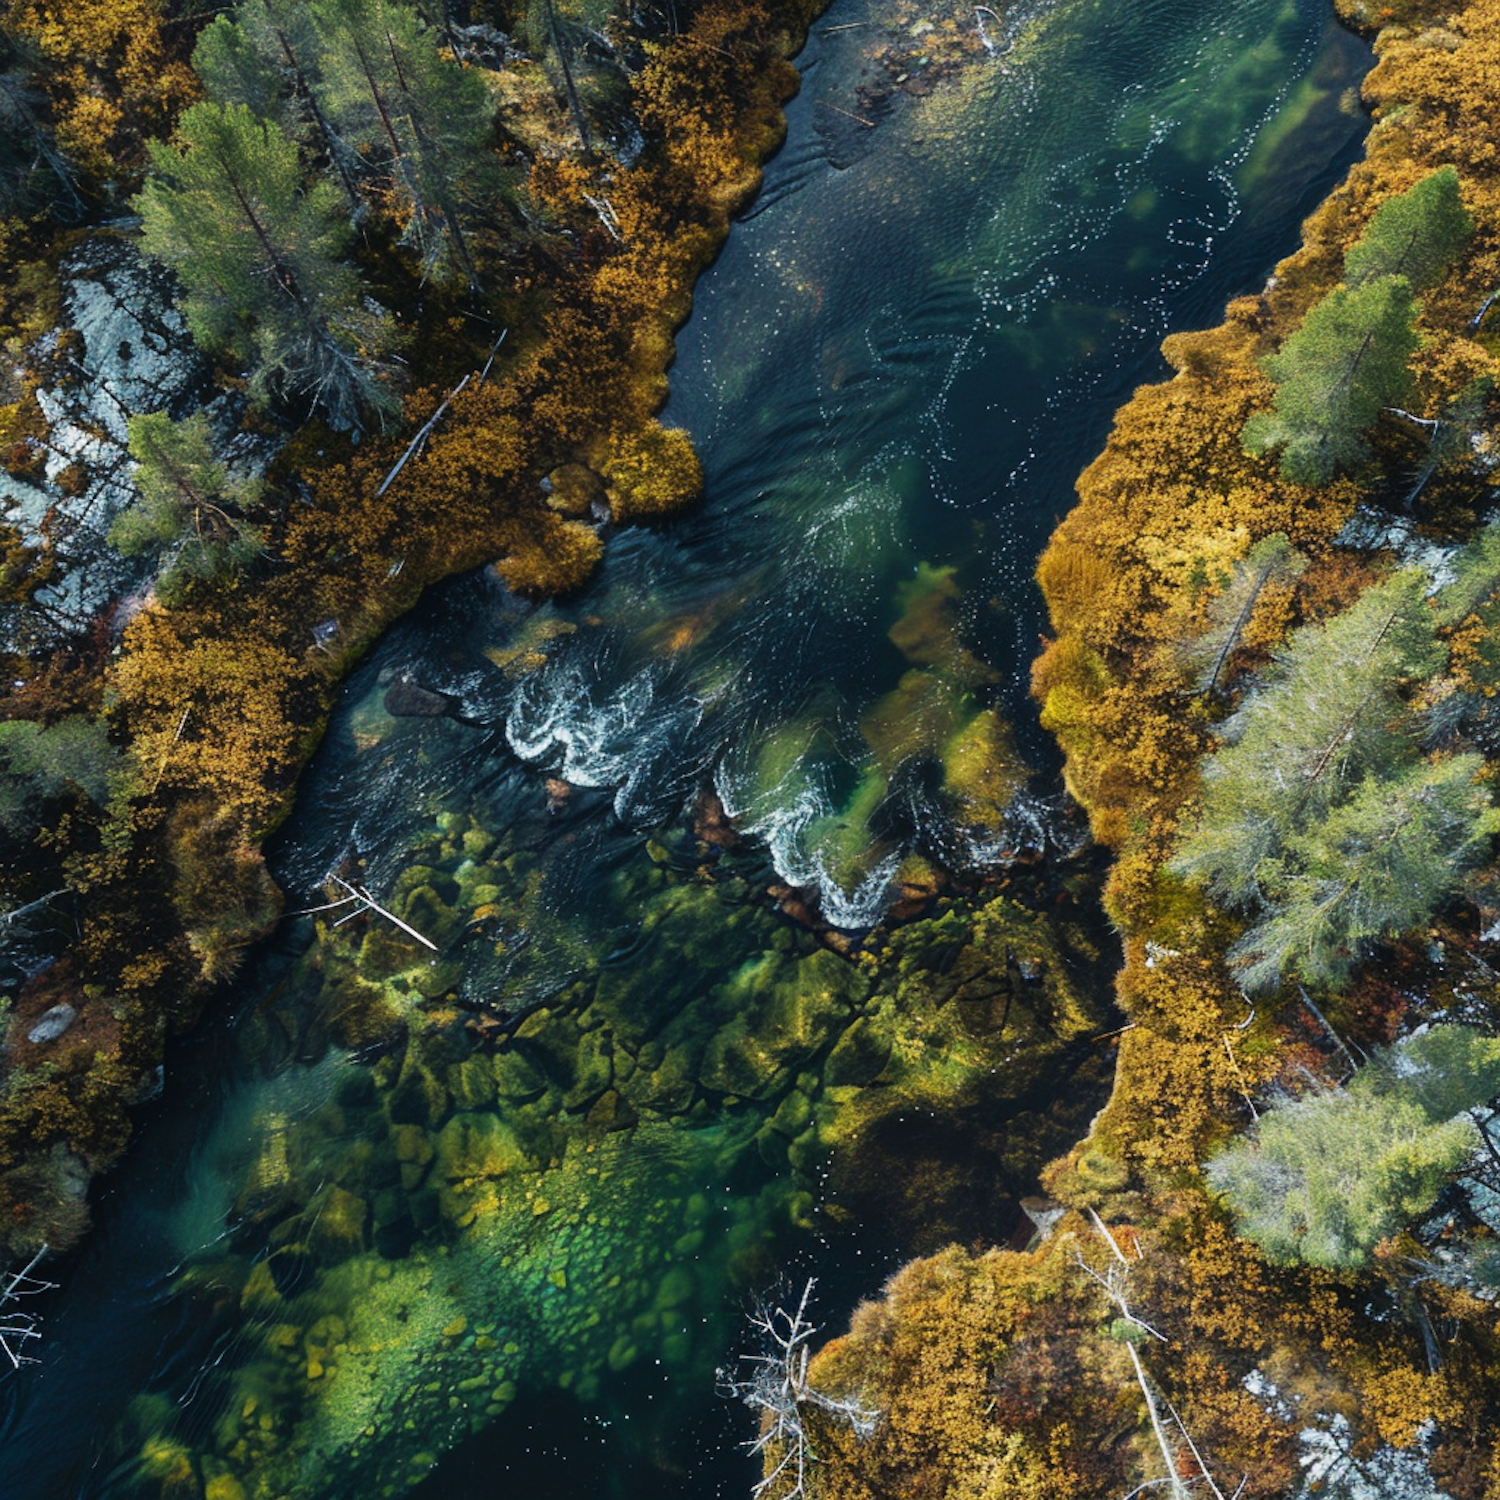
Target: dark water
x=342, y=1265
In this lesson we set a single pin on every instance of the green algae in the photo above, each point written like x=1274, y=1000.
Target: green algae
x=420, y=1237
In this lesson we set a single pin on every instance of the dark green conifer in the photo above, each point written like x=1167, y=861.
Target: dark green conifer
x=1326, y=1178
x=189, y=508
x=266, y=58
x=1325, y=717
x=420, y=122
x=226, y=210
x=40, y=762
x=1334, y=375
x=1378, y=865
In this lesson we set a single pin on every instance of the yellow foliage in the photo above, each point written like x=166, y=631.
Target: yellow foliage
x=651, y=471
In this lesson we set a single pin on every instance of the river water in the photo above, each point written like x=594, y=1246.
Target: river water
x=458, y=1220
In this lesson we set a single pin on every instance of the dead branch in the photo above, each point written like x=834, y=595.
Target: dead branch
x=359, y=893
x=421, y=436
x=858, y=119
x=18, y=1328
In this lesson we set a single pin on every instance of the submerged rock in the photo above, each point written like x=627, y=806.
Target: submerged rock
x=406, y=698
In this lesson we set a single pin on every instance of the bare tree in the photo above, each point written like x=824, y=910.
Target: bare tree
x=777, y=1389
x=17, y=1327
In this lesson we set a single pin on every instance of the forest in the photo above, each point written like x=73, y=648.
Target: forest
x=393, y=288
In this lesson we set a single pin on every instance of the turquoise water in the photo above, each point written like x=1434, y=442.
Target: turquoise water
x=458, y=1221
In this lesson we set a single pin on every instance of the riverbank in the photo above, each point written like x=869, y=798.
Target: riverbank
x=215, y=703
x=1019, y=1374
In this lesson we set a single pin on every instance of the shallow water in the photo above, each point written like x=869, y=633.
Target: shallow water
x=340, y=1264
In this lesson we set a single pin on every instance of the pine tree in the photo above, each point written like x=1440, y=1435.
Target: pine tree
x=1320, y=815
x=189, y=507
x=1417, y=234
x=1476, y=577
x=1334, y=375
x=421, y=122
x=1328, y=1177
x=1375, y=867
x=225, y=209
x=1326, y=717
x=41, y=762
x=552, y=28
x=266, y=59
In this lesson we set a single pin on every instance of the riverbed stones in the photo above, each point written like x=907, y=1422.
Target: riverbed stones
x=593, y=1070
x=413, y=1152
x=516, y=1076
x=418, y=1097
x=859, y=1055
x=670, y=1087
x=476, y=1144
x=471, y=1083
x=336, y=1224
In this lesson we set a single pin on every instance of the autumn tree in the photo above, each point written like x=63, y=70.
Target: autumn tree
x=189, y=508
x=1333, y=377
x=1417, y=234
x=227, y=211
x=1326, y=1178
x=419, y=122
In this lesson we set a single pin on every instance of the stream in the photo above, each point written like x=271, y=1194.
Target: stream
x=760, y=941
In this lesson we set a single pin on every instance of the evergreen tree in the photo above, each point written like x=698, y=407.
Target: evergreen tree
x=1476, y=576
x=1327, y=1178
x=1417, y=234
x=258, y=256
x=553, y=29
x=1375, y=867
x=1320, y=815
x=419, y=121
x=240, y=62
x=1326, y=717
x=42, y=762
x=1334, y=375
x=189, y=507
x=266, y=59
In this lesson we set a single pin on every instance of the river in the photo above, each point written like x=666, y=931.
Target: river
x=452, y=1221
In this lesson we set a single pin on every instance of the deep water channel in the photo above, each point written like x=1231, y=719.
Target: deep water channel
x=505, y=1240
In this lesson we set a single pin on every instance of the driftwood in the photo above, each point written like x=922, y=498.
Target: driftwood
x=858, y=119
x=1115, y=1281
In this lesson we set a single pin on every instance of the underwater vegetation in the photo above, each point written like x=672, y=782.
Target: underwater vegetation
x=488, y=1199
